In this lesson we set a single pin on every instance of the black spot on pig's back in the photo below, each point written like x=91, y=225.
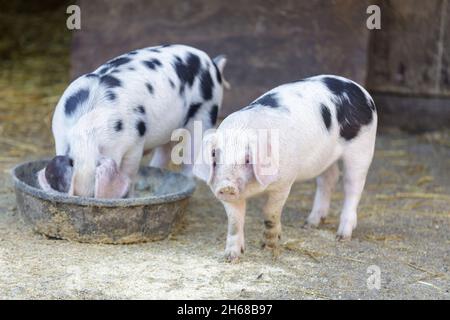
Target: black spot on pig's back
x=141, y=128
x=206, y=85
x=326, y=116
x=150, y=88
x=218, y=75
x=118, y=126
x=213, y=114
x=110, y=81
x=268, y=100
x=187, y=70
x=354, y=108
x=112, y=65
x=74, y=100
x=192, y=111
x=152, y=63
x=111, y=95
x=140, y=109
x=119, y=61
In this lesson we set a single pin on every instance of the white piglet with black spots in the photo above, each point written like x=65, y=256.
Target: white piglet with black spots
x=106, y=120
x=303, y=128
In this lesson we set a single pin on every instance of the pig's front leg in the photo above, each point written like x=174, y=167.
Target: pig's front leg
x=235, y=237
x=272, y=217
x=130, y=166
x=161, y=156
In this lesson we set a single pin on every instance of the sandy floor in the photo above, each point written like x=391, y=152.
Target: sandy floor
x=403, y=229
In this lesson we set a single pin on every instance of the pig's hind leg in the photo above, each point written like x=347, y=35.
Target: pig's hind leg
x=356, y=159
x=326, y=183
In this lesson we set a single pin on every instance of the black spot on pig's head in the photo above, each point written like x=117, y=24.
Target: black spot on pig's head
x=58, y=173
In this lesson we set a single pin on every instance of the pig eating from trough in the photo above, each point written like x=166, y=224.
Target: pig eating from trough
x=310, y=125
x=106, y=120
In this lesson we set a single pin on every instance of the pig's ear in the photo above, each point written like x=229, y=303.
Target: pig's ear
x=109, y=181
x=42, y=180
x=204, y=164
x=264, y=169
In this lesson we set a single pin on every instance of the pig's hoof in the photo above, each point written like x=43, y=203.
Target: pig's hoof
x=271, y=237
x=309, y=225
x=314, y=220
x=273, y=248
x=341, y=237
x=269, y=245
x=233, y=255
x=345, y=230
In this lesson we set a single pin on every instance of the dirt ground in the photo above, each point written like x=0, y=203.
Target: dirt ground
x=403, y=229
x=403, y=224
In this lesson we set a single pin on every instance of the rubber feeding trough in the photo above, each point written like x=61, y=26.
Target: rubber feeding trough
x=160, y=201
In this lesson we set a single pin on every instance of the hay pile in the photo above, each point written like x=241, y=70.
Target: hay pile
x=34, y=71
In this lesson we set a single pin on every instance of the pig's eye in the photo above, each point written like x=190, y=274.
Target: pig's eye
x=247, y=160
x=213, y=154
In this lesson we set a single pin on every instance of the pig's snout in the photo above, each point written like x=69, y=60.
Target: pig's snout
x=232, y=191
x=227, y=191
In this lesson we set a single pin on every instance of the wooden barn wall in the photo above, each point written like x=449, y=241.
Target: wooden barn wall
x=406, y=64
x=409, y=64
x=267, y=42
